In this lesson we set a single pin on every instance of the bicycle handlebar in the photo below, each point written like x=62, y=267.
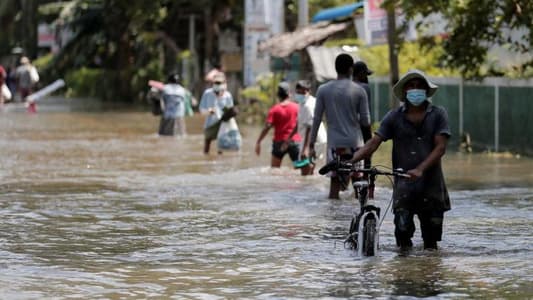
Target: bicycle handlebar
x=347, y=167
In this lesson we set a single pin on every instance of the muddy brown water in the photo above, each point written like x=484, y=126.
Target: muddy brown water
x=96, y=205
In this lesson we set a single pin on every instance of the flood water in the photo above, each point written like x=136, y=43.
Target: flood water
x=96, y=205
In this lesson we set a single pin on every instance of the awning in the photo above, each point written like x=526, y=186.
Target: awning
x=337, y=12
x=323, y=60
x=284, y=44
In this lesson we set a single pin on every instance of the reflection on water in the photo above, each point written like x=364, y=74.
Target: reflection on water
x=95, y=205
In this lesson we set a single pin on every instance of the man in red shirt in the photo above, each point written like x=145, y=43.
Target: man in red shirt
x=283, y=116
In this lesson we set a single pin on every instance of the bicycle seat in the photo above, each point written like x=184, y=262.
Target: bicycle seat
x=360, y=184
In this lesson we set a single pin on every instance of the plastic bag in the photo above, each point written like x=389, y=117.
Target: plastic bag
x=229, y=137
x=34, y=76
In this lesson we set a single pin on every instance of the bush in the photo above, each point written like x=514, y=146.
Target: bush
x=85, y=82
x=258, y=98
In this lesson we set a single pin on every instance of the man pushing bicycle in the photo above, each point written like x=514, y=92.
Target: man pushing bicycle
x=419, y=131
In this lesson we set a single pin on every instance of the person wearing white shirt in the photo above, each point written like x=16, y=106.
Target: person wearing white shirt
x=5, y=94
x=212, y=104
x=305, y=122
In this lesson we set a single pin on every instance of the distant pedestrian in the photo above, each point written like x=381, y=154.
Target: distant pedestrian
x=360, y=77
x=27, y=77
x=283, y=116
x=306, y=112
x=5, y=93
x=173, y=107
x=212, y=104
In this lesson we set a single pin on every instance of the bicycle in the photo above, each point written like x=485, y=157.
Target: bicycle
x=364, y=227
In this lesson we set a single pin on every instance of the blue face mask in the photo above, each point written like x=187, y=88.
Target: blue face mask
x=300, y=98
x=416, y=96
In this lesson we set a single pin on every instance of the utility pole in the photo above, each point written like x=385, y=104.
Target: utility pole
x=392, y=39
x=303, y=13
x=27, y=28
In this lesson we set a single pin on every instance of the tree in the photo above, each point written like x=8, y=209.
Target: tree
x=19, y=26
x=474, y=27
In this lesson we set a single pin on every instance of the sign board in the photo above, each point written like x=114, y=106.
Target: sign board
x=375, y=23
x=232, y=62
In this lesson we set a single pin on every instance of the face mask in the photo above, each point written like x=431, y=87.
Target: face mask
x=300, y=98
x=218, y=87
x=416, y=96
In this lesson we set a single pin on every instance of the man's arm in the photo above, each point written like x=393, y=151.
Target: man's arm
x=262, y=135
x=305, y=147
x=367, y=133
x=293, y=132
x=285, y=144
x=317, y=119
x=368, y=149
x=434, y=157
x=364, y=112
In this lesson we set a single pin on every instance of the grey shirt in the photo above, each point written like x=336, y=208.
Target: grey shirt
x=346, y=108
x=366, y=87
x=412, y=144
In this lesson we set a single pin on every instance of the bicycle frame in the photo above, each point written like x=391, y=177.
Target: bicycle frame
x=364, y=228
x=363, y=190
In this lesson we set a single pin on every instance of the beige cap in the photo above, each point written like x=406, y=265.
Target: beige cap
x=397, y=90
x=219, y=77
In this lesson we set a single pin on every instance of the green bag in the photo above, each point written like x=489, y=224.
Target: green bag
x=188, y=104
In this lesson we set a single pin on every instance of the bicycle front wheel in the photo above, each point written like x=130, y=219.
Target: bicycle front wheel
x=369, y=237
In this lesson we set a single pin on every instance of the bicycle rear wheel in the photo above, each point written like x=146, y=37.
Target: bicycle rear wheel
x=369, y=237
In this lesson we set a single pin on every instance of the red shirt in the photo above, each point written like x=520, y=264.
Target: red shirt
x=284, y=117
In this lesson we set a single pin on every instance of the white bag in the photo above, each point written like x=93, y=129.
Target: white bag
x=229, y=137
x=34, y=75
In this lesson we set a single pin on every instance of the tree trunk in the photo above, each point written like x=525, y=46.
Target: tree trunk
x=27, y=31
x=209, y=36
x=393, y=52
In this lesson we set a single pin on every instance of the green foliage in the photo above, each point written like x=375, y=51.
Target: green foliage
x=411, y=56
x=101, y=83
x=43, y=61
x=474, y=27
x=84, y=82
x=259, y=97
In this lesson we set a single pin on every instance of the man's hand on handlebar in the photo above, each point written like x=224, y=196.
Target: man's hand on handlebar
x=414, y=173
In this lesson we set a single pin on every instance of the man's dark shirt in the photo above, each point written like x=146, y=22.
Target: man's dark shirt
x=412, y=144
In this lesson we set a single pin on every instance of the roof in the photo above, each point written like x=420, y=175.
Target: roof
x=284, y=44
x=337, y=12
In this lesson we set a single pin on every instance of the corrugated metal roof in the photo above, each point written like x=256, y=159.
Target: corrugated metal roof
x=284, y=44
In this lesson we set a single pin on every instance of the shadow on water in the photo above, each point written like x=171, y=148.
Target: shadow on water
x=96, y=205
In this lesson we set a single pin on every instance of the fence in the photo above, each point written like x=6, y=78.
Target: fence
x=497, y=113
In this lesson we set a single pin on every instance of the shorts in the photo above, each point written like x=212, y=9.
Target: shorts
x=293, y=150
x=342, y=154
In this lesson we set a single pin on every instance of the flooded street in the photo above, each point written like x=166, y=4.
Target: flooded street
x=96, y=205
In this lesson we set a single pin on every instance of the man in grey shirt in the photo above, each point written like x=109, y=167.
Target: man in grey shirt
x=345, y=105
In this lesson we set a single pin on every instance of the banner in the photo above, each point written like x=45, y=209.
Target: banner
x=375, y=23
